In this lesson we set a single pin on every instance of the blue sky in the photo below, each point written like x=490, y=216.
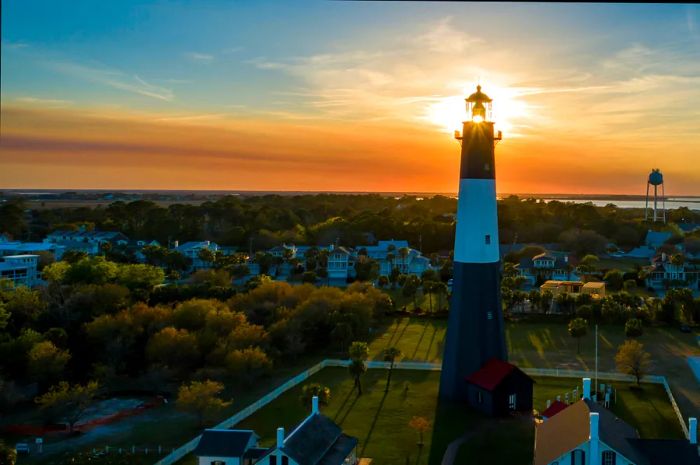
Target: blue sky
x=618, y=68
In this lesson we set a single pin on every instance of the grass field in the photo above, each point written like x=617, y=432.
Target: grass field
x=380, y=421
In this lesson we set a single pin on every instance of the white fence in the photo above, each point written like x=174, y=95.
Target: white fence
x=239, y=416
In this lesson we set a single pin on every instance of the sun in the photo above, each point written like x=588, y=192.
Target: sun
x=509, y=110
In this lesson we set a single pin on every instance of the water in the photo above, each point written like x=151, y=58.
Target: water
x=692, y=203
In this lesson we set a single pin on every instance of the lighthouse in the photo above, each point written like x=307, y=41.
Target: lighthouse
x=475, y=326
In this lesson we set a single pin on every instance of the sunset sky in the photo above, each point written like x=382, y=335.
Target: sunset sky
x=346, y=96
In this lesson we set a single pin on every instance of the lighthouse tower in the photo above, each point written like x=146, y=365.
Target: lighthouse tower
x=475, y=327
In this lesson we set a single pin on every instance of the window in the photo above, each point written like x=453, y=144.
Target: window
x=285, y=460
x=273, y=459
x=512, y=401
x=479, y=397
x=609, y=458
x=489, y=315
x=487, y=167
x=578, y=457
x=218, y=462
x=487, y=239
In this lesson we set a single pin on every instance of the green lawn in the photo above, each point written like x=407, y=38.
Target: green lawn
x=380, y=420
x=418, y=338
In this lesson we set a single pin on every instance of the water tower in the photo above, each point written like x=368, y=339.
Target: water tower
x=656, y=179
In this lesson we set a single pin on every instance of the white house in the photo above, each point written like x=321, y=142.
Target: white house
x=20, y=269
x=191, y=250
x=340, y=263
x=586, y=433
x=547, y=266
x=21, y=248
x=228, y=447
x=664, y=273
x=317, y=440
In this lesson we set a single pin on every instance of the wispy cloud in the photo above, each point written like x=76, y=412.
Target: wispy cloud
x=44, y=102
x=113, y=78
x=199, y=57
x=14, y=45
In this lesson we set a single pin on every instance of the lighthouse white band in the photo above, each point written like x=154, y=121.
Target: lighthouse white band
x=476, y=239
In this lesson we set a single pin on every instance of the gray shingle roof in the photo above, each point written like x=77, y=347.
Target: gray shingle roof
x=317, y=441
x=667, y=451
x=223, y=443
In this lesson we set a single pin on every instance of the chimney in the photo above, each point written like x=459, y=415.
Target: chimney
x=693, y=430
x=280, y=438
x=314, y=405
x=587, y=388
x=593, y=439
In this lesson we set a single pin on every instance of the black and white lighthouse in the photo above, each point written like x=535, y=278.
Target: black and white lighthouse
x=475, y=327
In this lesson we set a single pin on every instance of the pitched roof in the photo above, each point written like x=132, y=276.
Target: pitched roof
x=317, y=440
x=571, y=428
x=665, y=451
x=491, y=374
x=556, y=407
x=223, y=443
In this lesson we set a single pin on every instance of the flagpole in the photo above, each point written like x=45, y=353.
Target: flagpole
x=596, y=362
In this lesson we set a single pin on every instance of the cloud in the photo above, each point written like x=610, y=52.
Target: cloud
x=14, y=45
x=113, y=78
x=199, y=57
x=44, y=102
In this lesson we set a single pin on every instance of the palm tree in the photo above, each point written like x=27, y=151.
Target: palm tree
x=390, y=355
x=403, y=253
x=358, y=352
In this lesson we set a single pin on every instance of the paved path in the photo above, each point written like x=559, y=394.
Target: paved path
x=453, y=448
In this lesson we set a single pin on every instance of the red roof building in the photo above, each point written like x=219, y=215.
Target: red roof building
x=556, y=407
x=498, y=388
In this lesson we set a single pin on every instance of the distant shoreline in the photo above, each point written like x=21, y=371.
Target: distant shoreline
x=547, y=196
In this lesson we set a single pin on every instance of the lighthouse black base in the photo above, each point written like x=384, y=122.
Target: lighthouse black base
x=475, y=326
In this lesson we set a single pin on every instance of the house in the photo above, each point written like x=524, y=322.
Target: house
x=32, y=248
x=317, y=440
x=228, y=447
x=586, y=433
x=340, y=263
x=666, y=271
x=89, y=242
x=498, y=388
x=655, y=239
x=192, y=250
x=21, y=270
x=412, y=263
x=553, y=408
x=549, y=265
x=593, y=288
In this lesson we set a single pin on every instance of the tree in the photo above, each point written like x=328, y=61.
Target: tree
x=46, y=361
x=633, y=327
x=631, y=359
x=4, y=316
x=173, y=348
x=546, y=300
x=24, y=305
x=308, y=391
x=139, y=277
x=383, y=281
x=420, y=425
x=391, y=355
x=410, y=288
x=211, y=277
x=441, y=291
x=309, y=277
x=248, y=363
x=69, y=402
x=358, y=352
x=578, y=327
x=614, y=279
x=202, y=399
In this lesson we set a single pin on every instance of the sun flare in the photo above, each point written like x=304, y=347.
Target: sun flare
x=508, y=109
